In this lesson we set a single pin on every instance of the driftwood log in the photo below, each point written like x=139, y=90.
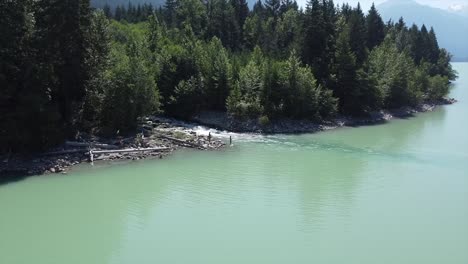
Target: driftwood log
x=182, y=142
x=130, y=150
x=91, y=153
x=97, y=152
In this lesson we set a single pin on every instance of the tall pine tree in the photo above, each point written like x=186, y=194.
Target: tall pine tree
x=375, y=28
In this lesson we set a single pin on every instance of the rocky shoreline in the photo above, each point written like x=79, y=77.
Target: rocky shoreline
x=158, y=138
x=222, y=121
x=161, y=136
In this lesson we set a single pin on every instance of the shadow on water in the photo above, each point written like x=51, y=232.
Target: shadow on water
x=12, y=176
x=17, y=171
x=100, y=200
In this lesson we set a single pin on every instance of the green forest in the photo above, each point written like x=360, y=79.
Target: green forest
x=66, y=67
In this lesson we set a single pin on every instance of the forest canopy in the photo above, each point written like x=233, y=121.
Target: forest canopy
x=66, y=67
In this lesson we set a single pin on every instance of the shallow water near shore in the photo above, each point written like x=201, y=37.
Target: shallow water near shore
x=392, y=193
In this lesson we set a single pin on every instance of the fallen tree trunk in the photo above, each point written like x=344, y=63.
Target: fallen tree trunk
x=182, y=142
x=72, y=151
x=129, y=150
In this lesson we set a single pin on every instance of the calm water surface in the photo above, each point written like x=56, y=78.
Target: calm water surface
x=394, y=193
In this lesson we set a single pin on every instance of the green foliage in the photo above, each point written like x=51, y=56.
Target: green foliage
x=357, y=40
x=263, y=120
x=233, y=102
x=223, y=23
x=47, y=69
x=187, y=99
x=66, y=68
x=289, y=31
x=217, y=72
x=131, y=92
x=274, y=92
x=438, y=87
x=375, y=28
x=192, y=13
x=396, y=75
x=443, y=66
x=353, y=86
x=278, y=89
x=346, y=87
x=254, y=30
x=129, y=13
x=305, y=99
x=245, y=99
x=319, y=34
x=99, y=61
x=328, y=105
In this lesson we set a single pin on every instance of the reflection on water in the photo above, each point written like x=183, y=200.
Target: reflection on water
x=394, y=193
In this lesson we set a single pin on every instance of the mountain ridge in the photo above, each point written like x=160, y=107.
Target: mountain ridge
x=451, y=28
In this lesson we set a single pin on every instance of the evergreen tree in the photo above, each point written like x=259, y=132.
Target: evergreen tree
x=289, y=32
x=233, y=102
x=187, y=98
x=346, y=88
x=444, y=65
x=424, y=44
x=259, y=9
x=222, y=23
x=375, y=28
x=65, y=68
x=318, y=37
x=217, y=72
x=170, y=12
x=357, y=40
x=274, y=93
x=346, y=11
x=98, y=63
x=132, y=92
x=192, y=13
x=249, y=86
x=154, y=34
x=24, y=99
x=64, y=39
x=302, y=100
x=107, y=11
x=305, y=97
x=254, y=31
x=241, y=11
x=412, y=40
x=273, y=7
x=118, y=13
x=433, y=46
x=400, y=25
x=139, y=14
x=131, y=12
x=392, y=71
x=287, y=5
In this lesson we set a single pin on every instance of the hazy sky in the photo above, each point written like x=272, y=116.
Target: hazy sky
x=365, y=4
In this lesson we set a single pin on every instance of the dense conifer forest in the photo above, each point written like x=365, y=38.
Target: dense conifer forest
x=66, y=67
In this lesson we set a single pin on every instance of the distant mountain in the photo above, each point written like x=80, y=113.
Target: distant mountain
x=451, y=28
x=114, y=3
x=460, y=10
